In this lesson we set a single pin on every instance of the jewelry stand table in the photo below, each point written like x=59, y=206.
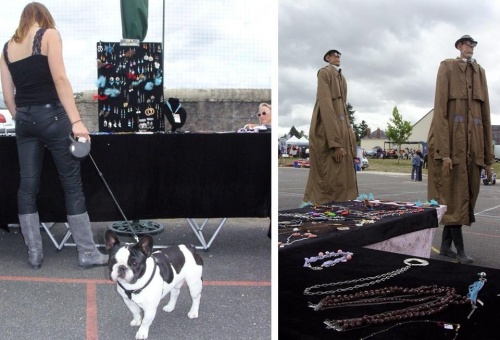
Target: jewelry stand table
x=297, y=320
x=156, y=176
x=401, y=228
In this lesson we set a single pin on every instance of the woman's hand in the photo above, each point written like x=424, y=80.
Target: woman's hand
x=79, y=130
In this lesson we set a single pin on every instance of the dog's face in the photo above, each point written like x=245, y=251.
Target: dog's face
x=127, y=261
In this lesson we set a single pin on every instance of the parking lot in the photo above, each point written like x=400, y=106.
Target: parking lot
x=61, y=301
x=482, y=240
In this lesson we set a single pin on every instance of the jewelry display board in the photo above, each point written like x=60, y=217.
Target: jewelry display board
x=130, y=87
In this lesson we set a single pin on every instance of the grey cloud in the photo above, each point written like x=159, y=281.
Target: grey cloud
x=391, y=51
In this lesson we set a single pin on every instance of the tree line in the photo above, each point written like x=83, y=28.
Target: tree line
x=398, y=130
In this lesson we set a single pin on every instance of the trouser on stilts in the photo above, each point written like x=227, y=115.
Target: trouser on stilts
x=446, y=241
x=458, y=241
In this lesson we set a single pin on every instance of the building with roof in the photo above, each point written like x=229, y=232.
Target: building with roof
x=418, y=137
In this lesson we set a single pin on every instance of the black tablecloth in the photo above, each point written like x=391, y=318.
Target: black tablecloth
x=298, y=321
x=156, y=176
x=383, y=229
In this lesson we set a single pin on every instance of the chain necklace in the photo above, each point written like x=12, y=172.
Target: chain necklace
x=443, y=324
x=366, y=281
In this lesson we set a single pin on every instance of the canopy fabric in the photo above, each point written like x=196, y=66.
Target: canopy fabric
x=304, y=140
x=134, y=19
x=296, y=141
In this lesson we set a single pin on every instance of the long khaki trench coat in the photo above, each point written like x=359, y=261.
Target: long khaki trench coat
x=328, y=180
x=460, y=130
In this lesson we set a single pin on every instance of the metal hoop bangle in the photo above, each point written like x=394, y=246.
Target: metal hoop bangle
x=419, y=262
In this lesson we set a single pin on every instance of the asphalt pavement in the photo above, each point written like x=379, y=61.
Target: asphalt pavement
x=482, y=239
x=61, y=301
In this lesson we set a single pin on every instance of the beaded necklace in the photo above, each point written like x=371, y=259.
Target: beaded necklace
x=341, y=257
x=304, y=236
x=430, y=299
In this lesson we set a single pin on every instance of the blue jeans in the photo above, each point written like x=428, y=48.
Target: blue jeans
x=39, y=127
x=415, y=172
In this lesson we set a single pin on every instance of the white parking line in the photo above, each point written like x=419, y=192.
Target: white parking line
x=493, y=208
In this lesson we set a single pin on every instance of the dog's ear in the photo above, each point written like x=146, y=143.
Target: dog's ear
x=111, y=239
x=146, y=245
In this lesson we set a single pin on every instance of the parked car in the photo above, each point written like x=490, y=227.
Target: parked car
x=364, y=163
x=373, y=152
x=496, y=151
x=7, y=124
x=392, y=153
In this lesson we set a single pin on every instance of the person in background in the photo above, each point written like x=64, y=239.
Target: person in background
x=39, y=96
x=421, y=167
x=264, y=115
x=332, y=144
x=416, y=161
x=460, y=143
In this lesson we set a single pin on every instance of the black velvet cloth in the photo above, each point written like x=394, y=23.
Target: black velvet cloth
x=383, y=229
x=155, y=176
x=298, y=321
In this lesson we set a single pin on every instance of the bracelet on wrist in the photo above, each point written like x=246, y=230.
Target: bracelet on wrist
x=79, y=120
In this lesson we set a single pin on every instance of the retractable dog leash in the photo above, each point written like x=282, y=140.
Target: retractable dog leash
x=79, y=149
x=114, y=199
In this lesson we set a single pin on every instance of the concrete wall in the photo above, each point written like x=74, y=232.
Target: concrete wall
x=207, y=109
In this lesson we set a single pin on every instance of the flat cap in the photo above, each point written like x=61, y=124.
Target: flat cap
x=464, y=38
x=330, y=52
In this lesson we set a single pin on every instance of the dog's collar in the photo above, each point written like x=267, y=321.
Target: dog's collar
x=129, y=292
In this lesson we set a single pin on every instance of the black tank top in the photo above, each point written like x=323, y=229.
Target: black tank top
x=31, y=76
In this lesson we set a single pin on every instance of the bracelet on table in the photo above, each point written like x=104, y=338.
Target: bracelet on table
x=79, y=120
x=341, y=256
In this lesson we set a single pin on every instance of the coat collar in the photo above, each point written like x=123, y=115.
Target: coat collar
x=463, y=65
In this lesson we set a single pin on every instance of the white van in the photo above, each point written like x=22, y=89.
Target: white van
x=7, y=124
x=496, y=152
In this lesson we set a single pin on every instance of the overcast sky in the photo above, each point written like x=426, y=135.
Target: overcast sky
x=208, y=44
x=391, y=51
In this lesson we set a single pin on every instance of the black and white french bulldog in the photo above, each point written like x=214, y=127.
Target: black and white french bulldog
x=144, y=277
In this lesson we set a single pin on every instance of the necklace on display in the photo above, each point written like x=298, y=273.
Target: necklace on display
x=474, y=290
x=445, y=325
x=427, y=300
x=340, y=255
x=304, y=236
x=363, y=282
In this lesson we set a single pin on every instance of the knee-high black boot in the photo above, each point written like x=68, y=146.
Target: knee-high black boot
x=446, y=243
x=458, y=241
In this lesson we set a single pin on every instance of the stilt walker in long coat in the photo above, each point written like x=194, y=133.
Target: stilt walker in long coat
x=332, y=144
x=460, y=143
